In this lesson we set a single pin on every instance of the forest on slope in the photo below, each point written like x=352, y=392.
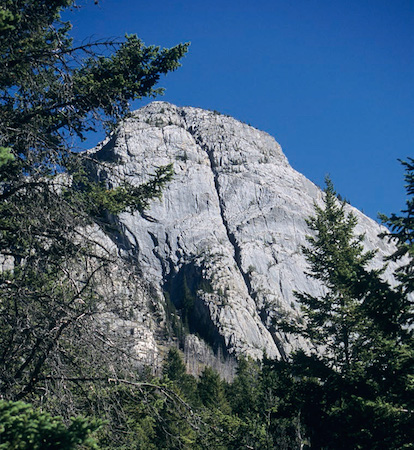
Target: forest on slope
x=56, y=356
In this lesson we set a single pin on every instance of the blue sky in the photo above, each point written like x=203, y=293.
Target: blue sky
x=331, y=80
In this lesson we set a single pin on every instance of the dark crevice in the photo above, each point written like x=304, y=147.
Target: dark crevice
x=279, y=344
x=264, y=317
x=118, y=232
x=106, y=152
x=230, y=235
x=167, y=264
x=183, y=289
x=232, y=239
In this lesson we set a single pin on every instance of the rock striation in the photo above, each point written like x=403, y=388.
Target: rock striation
x=222, y=249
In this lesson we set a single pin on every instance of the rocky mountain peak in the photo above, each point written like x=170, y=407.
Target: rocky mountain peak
x=222, y=248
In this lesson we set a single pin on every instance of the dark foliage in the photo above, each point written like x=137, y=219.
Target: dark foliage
x=53, y=268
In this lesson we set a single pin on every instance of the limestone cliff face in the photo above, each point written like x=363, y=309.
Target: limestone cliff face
x=224, y=242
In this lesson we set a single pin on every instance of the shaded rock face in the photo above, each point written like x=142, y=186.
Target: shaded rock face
x=223, y=245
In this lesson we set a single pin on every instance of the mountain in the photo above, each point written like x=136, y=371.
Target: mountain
x=220, y=253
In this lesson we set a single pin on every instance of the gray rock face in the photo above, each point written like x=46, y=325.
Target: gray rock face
x=224, y=242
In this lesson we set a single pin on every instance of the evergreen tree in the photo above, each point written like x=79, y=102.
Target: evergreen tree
x=174, y=370
x=26, y=428
x=51, y=94
x=174, y=367
x=402, y=232
x=336, y=257
x=244, y=391
x=211, y=390
x=360, y=370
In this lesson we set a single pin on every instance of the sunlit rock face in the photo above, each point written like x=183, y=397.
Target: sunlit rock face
x=223, y=245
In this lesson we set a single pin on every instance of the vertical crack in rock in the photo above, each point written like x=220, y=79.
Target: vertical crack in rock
x=167, y=266
x=237, y=254
x=230, y=235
